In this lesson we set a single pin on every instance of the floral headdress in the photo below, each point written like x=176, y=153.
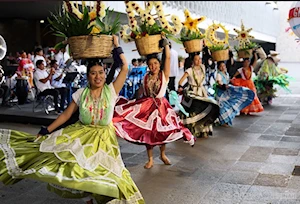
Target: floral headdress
x=244, y=38
x=147, y=24
x=190, y=31
x=212, y=41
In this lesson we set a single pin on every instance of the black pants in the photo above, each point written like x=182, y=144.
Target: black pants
x=6, y=94
x=63, y=94
x=171, y=86
x=51, y=92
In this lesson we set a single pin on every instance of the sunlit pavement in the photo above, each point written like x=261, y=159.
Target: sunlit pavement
x=250, y=163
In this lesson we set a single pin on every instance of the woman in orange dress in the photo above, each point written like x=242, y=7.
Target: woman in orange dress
x=243, y=77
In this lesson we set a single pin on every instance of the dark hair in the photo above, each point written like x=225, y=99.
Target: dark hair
x=93, y=62
x=133, y=60
x=52, y=62
x=39, y=62
x=140, y=60
x=38, y=50
x=189, y=60
x=219, y=63
x=246, y=59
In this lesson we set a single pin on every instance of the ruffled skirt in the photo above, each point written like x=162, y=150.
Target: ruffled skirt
x=255, y=106
x=77, y=161
x=232, y=101
x=203, y=112
x=149, y=121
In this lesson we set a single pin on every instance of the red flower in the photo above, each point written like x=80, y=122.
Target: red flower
x=144, y=33
x=132, y=35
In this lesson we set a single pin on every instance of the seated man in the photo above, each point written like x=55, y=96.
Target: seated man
x=57, y=83
x=42, y=81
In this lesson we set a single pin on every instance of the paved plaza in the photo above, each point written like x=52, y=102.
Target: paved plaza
x=249, y=163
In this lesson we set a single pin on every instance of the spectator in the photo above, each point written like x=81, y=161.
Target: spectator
x=42, y=81
x=57, y=83
x=62, y=57
x=39, y=55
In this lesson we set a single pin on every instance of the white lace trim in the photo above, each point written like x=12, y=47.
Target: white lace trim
x=97, y=179
x=12, y=166
x=198, y=117
x=134, y=199
x=171, y=138
x=148, y=125
x=75, y=147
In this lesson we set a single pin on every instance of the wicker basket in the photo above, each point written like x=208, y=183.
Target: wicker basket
x=193, y=45
x=148, y=44
x=245, y=53
x=89, y=46
x=220, y=55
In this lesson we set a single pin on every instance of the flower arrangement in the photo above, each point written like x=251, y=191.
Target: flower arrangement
x=92, y=20
x=214, y=43
x=147, y=23
x=218, y=47
x=244, y=39
x=190, y=31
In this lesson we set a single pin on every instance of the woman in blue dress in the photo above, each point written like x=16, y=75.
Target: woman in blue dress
x=231, y=99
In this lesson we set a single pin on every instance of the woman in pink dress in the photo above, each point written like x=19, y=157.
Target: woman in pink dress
x=151, y=120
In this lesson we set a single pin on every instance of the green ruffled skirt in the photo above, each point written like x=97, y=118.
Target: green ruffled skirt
x=77, y=161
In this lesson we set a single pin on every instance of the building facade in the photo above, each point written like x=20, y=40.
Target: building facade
x=259, y=15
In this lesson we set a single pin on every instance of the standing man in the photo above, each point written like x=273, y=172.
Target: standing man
x=62, y=57
x=57, y=83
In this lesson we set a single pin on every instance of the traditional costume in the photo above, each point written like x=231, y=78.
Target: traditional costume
x=231, y=99
x=203, y=111
x=246, y=81
x=268, y=76
x=26, y=68
x=150, y=120
x=77, y=161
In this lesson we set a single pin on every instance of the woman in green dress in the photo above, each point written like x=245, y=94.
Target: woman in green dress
x=82, y=160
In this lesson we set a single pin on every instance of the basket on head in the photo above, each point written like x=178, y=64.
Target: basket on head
x=245, y=53
x=193, y=45
x=220, y=55
x=90, y=46
x=148, y=44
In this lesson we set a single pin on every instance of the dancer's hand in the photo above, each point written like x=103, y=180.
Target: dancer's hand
x=116, y=41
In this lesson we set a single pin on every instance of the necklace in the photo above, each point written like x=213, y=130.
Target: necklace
x=153, y=84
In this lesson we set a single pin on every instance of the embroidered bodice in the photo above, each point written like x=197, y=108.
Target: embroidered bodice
x=196, y=79
x=99, y=111
x=155, y=87
x=224, y=78
x=246, y=74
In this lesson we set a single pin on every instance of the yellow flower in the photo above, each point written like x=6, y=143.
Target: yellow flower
x=102, y=14
x=95, y=30
x=191, y=24
x=151, y=22
x=92, y=15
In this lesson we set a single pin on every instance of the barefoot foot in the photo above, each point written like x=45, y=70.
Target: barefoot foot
x=165, y=160
x=148, y=165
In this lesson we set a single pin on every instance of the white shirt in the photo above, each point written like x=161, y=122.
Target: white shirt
x=62, y=58
x=41, y=74
x=58, y=84
x=174, y=63
x=38, y=57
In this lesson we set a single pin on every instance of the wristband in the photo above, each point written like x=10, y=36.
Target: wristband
x=44, y=131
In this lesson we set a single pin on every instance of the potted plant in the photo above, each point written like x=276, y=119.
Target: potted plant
x=147, y=32
x=219, y=47
x=245, y=47
x=88, y=32
x=190, y=34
